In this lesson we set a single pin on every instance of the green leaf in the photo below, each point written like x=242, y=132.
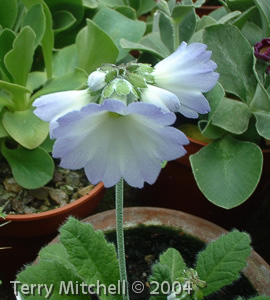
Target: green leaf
x=234, y=57
x=7, y=37
x=19, y=60
x=73, y=7
x=173, y=259
x=232, y=116
x=8, y=13
x=263, y=123
x=60, y=279
x=166, y=31
x=90, y=3
x=222, y=260
x=70, y=81
x=252, y=32
x=222, y=172
x=93, y=257
x=244, y=17
x=25, y=128
x=160, y=274
x=35, y=18
x=18, y=93
x=118, y=26
x=168, y=269
x=54, y=252
x=63, y=20
x=65, y=60
x=35, y=80
x=185, y=18
x=150, y=43
x=30, y=168
x=215, y=97
x=264, y=9
x=48, y=42
x=94, y=47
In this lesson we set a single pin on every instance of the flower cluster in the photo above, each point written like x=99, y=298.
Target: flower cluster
x=120, y=126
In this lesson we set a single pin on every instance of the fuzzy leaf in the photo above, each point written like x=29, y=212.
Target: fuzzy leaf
x=93, y=257
x=232, y=116
x=173, y=259
x=234, y=57
x=222, y=172
x=263, y=123
x=58, y=276
x=168, y=269
x=222, y=260
x=150, y=43
x=118, y=26
x=94, y=47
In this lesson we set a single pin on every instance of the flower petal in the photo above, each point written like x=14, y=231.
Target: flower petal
x=113, y=140
x=52, y=106
x=160, y=97
x=188, y=73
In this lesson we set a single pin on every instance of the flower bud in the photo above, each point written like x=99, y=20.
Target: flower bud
x=262, y=50
x=96, y=80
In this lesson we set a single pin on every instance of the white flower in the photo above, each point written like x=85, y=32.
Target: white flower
x=187, y=73
x=96, y=80
x=52, y=106
x=112, y=140
x=160, y=97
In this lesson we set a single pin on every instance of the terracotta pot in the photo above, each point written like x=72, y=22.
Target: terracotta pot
x=26, y=234
x=176, y=184
x=257, y=270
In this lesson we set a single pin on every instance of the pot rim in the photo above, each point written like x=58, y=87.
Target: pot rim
x=56, y=211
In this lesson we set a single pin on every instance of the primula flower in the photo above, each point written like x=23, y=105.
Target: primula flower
x=262, y=50
x=112, y=140
x=52, y=106
x=187, y=73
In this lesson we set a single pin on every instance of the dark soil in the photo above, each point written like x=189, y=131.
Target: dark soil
x=143, y=247
x=65, y=187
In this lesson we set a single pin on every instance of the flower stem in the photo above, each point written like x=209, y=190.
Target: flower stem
x=119, y=204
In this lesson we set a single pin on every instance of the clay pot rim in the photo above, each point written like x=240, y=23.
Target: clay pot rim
x=57, y=211
x=106, y=221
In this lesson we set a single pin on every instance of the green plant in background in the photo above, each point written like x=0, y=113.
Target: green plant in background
x=239, y=120
x=238, y=125
x=49, y=46
x=84, y=257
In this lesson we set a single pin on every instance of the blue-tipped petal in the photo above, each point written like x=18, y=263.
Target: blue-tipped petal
x=166, y=100
x=188, y=73
x=113, y=140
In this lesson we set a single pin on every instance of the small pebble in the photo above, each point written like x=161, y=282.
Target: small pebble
x=11, y=185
